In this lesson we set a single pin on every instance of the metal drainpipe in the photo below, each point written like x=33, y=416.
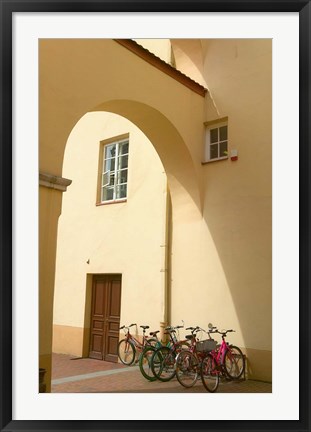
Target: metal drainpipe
x=165, y=270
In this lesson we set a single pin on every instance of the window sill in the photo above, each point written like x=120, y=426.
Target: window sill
x=111, y=202
x=215, y=160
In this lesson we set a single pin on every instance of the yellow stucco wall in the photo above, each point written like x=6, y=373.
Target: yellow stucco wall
x=50, y=206
x=159, y=47
x=229, y=265
x=221, y=211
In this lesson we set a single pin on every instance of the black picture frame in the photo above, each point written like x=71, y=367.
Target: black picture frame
x=9, y=7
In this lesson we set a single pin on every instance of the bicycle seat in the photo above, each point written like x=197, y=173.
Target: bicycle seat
x=144, y=327
x=189, y=336
x=154, y=333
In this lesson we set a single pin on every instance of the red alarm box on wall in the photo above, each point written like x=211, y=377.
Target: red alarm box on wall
x=234, y=155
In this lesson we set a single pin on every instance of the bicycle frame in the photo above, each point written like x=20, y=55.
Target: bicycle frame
x=219, y=354
x=174, y=342
x=193, y=349
x=136, y=342
x=200, y=355
x=140, y=346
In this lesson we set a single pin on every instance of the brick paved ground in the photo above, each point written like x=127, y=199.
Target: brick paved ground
x=65, y=365
x=95, y=376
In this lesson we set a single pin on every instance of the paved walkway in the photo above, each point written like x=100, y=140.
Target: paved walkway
x=70, y=375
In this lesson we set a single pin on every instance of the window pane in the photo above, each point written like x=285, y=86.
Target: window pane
x=115, y=172
x=223, y=133
x=121, y=191
x=110, y=164
x=214, y=151
x=214, y=135
x=223, y=149
x=106, y=178
x=107, y=194
x=110, y=151
x=124, y=148
x=122, y=177
x=123, y=162
x=112, y=176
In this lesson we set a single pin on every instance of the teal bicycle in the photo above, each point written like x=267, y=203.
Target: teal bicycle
x=163, y=358
x=146, y=356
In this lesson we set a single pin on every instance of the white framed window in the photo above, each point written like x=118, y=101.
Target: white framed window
x=216, y=142
x=114, y=171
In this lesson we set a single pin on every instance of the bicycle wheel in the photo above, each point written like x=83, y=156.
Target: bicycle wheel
x=187, y=368
x=182, y=346
x=209, y=374
x=162, y=364
x=152, y=341
x=126, y=352
x=145, y=363
x=234, y=362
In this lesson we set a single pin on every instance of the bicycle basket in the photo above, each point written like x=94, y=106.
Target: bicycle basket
x=206, y=345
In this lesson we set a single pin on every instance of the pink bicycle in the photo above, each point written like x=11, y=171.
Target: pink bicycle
x=226, y=359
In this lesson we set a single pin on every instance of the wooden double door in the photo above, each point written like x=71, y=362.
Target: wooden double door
x=105, y=319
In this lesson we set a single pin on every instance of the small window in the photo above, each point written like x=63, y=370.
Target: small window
x=114, y=171
x=216, y=144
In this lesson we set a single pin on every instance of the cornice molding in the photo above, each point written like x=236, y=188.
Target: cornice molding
x=54, y=182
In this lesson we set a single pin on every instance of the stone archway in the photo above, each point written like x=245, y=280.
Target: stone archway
x=77, y=76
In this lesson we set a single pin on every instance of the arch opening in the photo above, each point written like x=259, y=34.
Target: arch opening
x=114, y=239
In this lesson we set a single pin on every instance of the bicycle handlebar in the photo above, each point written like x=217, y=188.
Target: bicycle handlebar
x=171, y=328
x=127, y=327
x=195, y=329
x=201, y=329
x=221, y=332
x=211, y=330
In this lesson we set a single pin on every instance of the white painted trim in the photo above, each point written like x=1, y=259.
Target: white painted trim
x=207, y=144
x=117, y=170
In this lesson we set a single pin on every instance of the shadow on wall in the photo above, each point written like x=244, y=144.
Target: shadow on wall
x=241, y=229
